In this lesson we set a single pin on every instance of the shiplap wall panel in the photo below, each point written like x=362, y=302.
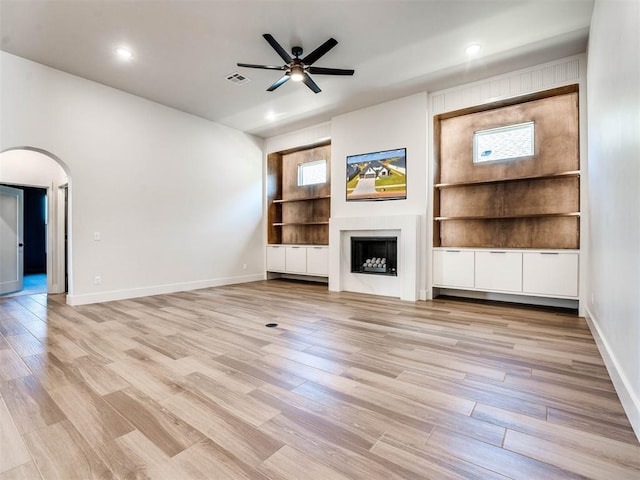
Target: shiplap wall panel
x=542, y=77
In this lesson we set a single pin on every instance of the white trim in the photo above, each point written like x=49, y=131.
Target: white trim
x=630, y=401
x=87, y=298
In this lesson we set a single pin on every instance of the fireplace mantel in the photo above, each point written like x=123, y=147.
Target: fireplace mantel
x=407, y=226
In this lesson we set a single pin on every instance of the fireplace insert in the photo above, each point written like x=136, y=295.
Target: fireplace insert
x=374, y=255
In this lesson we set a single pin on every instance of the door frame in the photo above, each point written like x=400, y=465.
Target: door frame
x=59, y=251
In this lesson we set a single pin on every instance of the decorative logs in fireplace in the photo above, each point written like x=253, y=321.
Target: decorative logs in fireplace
x=374, y=255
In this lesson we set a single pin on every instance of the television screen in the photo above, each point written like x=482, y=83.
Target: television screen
x=377, y=175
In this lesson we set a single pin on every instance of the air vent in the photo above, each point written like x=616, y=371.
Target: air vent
x=237, y=78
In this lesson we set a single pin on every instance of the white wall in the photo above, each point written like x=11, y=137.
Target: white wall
x=614, y=180
x=35, y=169
x=155, y=182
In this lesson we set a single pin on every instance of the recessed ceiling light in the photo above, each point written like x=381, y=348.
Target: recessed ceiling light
x=473, y=49
x=124, y=53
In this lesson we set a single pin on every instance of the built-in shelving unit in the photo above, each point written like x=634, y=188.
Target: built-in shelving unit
x=297, y=215
x=528, y=202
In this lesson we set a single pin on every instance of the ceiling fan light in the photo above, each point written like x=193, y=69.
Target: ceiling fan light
x=297, y=73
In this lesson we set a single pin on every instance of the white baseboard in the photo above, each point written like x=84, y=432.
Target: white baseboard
x=630, y=401
x=84, y=299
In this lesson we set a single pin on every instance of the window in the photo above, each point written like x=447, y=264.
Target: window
x=312, y=173
x=503, y=143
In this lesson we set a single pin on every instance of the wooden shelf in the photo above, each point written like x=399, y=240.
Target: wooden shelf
x=299, y=223
x=302, y=199
x=569, y=174
x=509, y=217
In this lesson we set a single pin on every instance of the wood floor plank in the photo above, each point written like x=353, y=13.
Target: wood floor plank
x=25, y=344
x=13, y=452
x=490, y=457
x=289, y=462
x=570, y=459
x=427, y=396
x=242, y=406
x=246, y=442
x=30, y=404
x=438, y=466
x=590, y=441
x=59, y=451
x=206, y=460
x=94, y=418
x=192, y=385
x=134, y=456
x=168, y=432
x=11, y=365
x=355, y=464
x=26, y=471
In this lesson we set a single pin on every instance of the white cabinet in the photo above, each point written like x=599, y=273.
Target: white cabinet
x=275, y=258
x=318, y=260
x=546, y=273
x=498, y=270
x=453, y=268
x=296, y=259
x=550, y=273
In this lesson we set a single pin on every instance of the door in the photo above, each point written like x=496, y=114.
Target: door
x=11, y=246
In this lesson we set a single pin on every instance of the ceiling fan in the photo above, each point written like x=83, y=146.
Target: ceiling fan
x=298, y=69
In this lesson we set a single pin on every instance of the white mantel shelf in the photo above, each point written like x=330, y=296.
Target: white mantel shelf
x=408, y=229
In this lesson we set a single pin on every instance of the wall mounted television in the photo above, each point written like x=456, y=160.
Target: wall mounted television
x=377, y=175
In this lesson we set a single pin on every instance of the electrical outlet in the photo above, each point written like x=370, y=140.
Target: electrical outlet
x=244, y=266
x=97, y=280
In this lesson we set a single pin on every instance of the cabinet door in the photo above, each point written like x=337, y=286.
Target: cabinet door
x=318, y=260
x=275, y=258
x=296, y=259
x=453, y=268
x=499, y=270
x=550, y=273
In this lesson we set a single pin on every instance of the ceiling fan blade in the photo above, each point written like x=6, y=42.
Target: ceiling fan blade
x=320, y=51
x=278, y=83
x=277, y=47
x=311, y=84
x=265, y=67
x=329, y=71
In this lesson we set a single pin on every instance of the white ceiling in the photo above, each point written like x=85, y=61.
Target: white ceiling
x=185, y=49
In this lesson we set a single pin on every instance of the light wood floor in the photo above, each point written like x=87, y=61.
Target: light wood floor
x=193, y=385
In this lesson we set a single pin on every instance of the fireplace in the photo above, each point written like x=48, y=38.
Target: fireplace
x=374, y=255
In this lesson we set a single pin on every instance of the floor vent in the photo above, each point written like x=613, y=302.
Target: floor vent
x=237, y=79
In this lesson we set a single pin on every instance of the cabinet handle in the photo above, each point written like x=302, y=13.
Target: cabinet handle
x=549, y=253
x=318, y=248
x=497, y=252
x=295, y=247
x=453, y=251
x=274, y=247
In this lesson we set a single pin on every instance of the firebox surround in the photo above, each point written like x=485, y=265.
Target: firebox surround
x=374, y=255
x=404, y=227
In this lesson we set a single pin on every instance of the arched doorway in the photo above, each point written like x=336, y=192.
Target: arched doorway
x=34, y=169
